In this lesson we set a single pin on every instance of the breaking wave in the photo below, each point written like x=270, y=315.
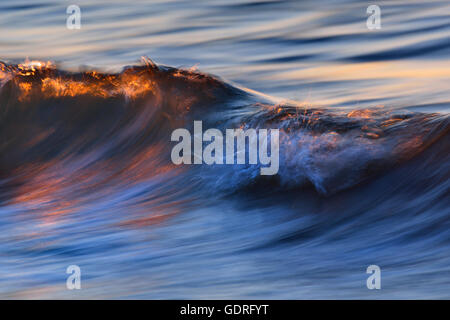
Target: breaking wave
x=118, y=126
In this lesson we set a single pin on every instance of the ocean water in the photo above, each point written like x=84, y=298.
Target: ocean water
x=86, y=177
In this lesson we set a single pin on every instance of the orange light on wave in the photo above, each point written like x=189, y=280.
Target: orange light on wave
x=365, y=114
x=30, y=67
x=25, y=88
x=40, y=77
x=390, y=122
x=52, y=190
x=130, y=86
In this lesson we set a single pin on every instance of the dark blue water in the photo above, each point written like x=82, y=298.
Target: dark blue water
x=85, y=171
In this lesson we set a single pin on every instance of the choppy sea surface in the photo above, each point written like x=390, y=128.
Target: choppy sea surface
x=86, y=177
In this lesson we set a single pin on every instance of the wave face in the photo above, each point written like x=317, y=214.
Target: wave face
x=86, y=179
